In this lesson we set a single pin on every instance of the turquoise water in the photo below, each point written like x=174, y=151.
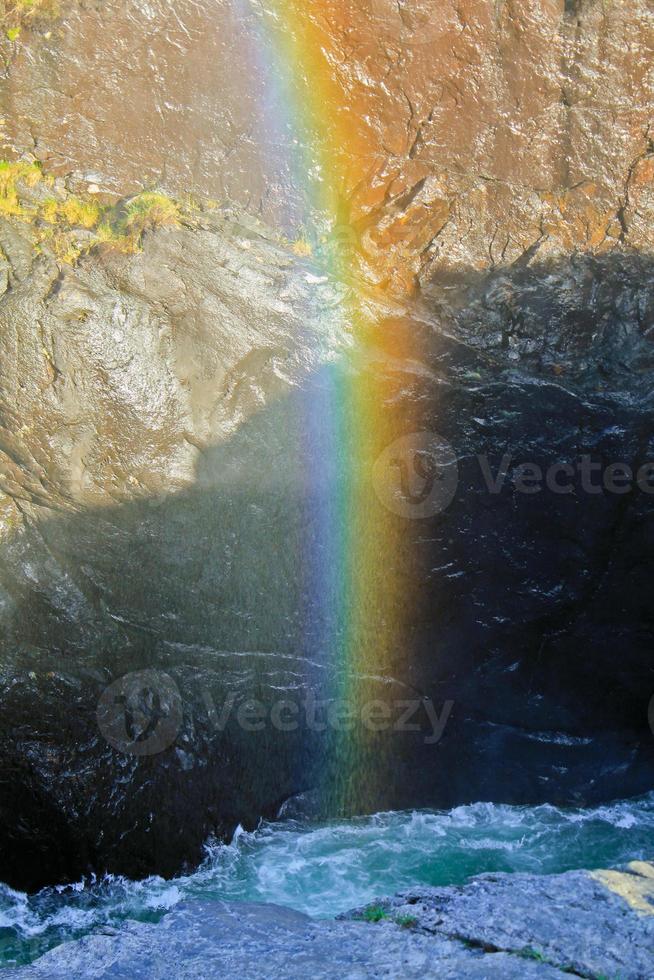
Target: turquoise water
x=326, y=868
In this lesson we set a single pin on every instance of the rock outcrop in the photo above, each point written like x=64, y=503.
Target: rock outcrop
x=485, y=130
x=157, y=511
x=496, y=926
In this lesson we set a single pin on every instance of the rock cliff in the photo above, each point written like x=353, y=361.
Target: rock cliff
x=488, y=129
x=155, y=363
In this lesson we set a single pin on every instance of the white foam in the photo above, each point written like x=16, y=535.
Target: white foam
x=323, y=869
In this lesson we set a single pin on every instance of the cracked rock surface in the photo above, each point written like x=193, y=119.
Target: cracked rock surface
x=516, y=927
x=483, y=129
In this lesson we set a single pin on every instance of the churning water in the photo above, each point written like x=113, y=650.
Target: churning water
x=326, y=868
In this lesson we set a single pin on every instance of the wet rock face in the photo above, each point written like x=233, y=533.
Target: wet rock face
x=121, y=377
x=481, y=130
x=158, y=509
x=159, y=516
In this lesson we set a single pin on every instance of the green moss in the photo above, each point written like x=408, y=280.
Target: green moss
x=374, y=913
x=377, y=913
x=528, y=953
x=150, y=210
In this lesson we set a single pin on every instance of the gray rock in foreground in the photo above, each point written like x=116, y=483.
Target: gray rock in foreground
x=590, y=924
x=231, y=940
x=496, y=926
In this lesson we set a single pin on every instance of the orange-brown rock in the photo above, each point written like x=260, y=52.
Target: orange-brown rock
x=486, y=128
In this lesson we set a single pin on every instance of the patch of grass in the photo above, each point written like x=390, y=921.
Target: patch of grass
x=11, y=174
x=374, y=913
x=70, y=225
x=114, y=238
x=123, y=229
x=529, y=953
x=406, y=921
x=17, y=14
x=377, y=913
x=26, y=10
x=81, y=214
x=74, y=211
x=50, y=210
x=29, y=173
x=60, y=216
x=64, y=245
x=150, y=210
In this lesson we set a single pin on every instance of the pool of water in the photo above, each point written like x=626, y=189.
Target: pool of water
x=326, y=868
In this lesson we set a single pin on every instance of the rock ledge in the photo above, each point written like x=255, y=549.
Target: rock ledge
x=508, y=926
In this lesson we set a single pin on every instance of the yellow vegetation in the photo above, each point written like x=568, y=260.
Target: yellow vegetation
x=145, y=212
x=81, y=214
x=73, y=211
x=302, y=247
x=150, y=210
x=11, y=174
x=63, y=245
x=106, y=234
x=60, y=221
x=16, y=14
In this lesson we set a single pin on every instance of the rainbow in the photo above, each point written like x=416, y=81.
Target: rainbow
x=348, y=415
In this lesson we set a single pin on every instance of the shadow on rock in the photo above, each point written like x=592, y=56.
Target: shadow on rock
x=529, y=612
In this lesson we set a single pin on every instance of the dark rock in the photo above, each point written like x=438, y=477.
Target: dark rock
x=158, y=516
